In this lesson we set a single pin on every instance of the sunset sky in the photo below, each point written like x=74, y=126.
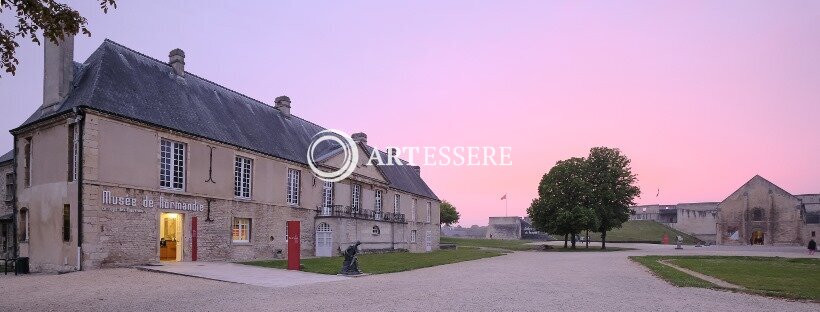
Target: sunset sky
x=700, y=95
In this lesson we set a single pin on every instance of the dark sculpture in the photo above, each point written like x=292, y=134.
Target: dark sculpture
x=351, y=264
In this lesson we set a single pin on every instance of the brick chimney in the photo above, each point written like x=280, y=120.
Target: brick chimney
x=58, y=71
x=417, y=169
x=177, y=60
x=282, y=103
x=359, y=137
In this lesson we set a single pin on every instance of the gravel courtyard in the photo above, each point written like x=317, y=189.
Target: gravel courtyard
x=522, y=281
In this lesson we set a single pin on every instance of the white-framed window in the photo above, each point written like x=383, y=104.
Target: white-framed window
x=327, y=198
x=429, y=211
x=172, y=165
x=243, y=168
x=241, y=232
x=413, y=236
x=376, y=230
x=397, y=204
x=293, y=186
x=413, y=212
x=73, y=151
x=356, y=196
x=378, y=209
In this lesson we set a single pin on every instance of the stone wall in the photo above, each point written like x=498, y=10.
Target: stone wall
x=504, y=228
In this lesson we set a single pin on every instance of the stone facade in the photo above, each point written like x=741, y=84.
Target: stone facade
x=125, y=234
x=504, y=228
x=760, y=207
x=759, y=212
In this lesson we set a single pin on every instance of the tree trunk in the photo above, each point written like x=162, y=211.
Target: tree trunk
x=573, y=240
x=587, y=239
x=603, y=239
x=566, y=237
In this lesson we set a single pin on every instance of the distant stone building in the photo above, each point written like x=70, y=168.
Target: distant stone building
x=758, y=213
x=696, y=219
x=513, y=228
x=761, y=213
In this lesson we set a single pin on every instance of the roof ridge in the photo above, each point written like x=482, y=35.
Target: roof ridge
x=262, y=104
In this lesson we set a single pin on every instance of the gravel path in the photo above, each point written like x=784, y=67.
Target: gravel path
x=522, y=281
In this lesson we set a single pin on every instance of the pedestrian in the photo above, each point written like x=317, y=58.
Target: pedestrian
x=812, y=246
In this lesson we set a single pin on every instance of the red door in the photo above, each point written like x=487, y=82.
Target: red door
x=293, y=245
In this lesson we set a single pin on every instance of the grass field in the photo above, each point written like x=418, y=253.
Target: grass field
x=518, y=245
x=643, y=231
x=386, y=262
x=490, y=243
x=772, y=276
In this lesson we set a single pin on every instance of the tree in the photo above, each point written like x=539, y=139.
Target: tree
x=449, y=215
x=612, y=188
x=55, y=20
x=561, y=207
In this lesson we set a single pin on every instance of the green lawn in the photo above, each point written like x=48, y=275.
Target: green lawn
x=643, y=231
x=386, y=262
x=508, y=244
x=773, y=276
x=519, y=245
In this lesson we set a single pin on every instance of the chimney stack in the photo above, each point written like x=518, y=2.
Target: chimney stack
x=359, y=137
x=417, y=169
x=177, y=60
x=282, y=103
x=58, y=71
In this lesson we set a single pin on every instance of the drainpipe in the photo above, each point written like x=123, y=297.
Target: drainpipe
x=81, y=124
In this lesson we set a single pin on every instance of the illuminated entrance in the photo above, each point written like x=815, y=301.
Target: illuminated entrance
x=170, y=237
x=757, y=238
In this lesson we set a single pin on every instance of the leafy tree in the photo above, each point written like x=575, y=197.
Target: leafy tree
x=55, y=20
x=612, y=188
x=561, y=207
x=449, y=215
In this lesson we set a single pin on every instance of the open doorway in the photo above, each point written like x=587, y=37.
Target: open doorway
x=757, y=238
x=170, y=237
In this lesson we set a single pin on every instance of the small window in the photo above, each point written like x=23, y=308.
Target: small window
x=323, y=227
x=397, y=204
x=66, y=223
x=24, y=224
x=172, y=165
x=241, y=230
x=243, y=168
x=27, y=162
x=376, y=230
x=812, y=233
x=356, y=195
x=757, y=214
x=293, y=187
x=429, y=212
x=413, y=236
x=9, y=186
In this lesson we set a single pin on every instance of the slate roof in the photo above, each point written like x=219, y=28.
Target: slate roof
x=126, y=83
x=7, y=157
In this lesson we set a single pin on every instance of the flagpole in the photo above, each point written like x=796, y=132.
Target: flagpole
x=506, y=206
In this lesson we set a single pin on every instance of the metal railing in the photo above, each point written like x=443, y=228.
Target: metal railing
x=365, y=214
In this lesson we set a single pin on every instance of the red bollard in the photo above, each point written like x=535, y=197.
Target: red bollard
x=293, y=245
x=665, y=239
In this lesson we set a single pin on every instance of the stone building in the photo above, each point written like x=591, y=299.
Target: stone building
x=130, y=160
x=513, y=228
x=6, y=207
x=759, y=212
x=696, y=219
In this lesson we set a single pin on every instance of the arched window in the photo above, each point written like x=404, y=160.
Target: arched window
x=323, y=227
x=24, y=224
x=376, y=230
x=757, y=214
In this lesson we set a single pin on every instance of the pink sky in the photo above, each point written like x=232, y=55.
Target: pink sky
x=700, y=95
